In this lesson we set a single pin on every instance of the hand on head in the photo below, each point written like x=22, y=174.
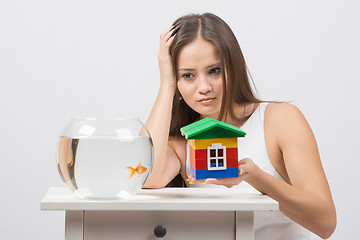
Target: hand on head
x=167, y=75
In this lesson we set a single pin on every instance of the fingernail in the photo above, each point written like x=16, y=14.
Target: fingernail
x=241, y=171
x=191, y=182
x=188, y=180
x=205, y=183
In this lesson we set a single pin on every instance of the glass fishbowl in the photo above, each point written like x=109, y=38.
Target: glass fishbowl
x=105, y=159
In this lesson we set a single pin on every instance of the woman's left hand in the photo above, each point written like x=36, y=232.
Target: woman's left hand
x=247, y=170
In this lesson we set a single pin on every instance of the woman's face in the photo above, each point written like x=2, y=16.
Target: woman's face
x=200, y=80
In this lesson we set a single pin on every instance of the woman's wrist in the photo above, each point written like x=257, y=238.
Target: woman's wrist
x=168, y=87
x=254, y=178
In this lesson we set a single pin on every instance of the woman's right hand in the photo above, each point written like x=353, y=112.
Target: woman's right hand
x=167, y=75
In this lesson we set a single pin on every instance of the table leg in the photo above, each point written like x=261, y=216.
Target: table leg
x=74, y=225
x=244, y=225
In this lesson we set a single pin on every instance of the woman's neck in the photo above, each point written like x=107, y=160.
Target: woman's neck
x=243, y=112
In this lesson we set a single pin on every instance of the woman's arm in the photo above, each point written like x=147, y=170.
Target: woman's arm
x=307, y=198
x=166, y=164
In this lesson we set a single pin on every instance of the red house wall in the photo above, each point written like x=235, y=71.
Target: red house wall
x=198, y=157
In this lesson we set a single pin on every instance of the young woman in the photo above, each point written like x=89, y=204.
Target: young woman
x=203, y=74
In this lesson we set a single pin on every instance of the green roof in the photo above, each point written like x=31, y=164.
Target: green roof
x=208, y=128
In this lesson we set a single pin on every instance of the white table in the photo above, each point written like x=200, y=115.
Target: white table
x=185, y=213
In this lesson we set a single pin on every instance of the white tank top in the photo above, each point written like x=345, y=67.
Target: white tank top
x=268, y=225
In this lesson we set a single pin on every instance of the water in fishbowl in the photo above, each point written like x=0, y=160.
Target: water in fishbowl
x=105, y=167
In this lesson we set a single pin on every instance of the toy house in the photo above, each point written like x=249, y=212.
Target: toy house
x=213, y=148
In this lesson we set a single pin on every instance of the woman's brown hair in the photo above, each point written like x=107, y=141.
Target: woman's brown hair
x=237, y=89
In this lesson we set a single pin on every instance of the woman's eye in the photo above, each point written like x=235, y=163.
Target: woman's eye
x=214, y=70
x=187, y=76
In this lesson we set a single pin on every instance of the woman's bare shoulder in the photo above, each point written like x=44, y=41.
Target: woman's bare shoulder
x=284, y=115
x=287, y=122
x=282, y=110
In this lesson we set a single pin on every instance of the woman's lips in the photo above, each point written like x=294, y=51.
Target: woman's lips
x=206, y=100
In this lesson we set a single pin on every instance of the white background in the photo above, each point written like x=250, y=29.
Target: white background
x=61, y=58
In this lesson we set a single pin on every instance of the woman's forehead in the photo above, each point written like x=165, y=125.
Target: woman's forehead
x=198, y=54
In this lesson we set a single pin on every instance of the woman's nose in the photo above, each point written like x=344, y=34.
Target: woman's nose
x=204, y=85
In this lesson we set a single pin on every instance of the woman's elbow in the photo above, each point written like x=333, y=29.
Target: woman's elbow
x=152, y=184
x=328, y=227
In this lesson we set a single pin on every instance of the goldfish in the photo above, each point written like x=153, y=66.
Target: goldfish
x=139, y=170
